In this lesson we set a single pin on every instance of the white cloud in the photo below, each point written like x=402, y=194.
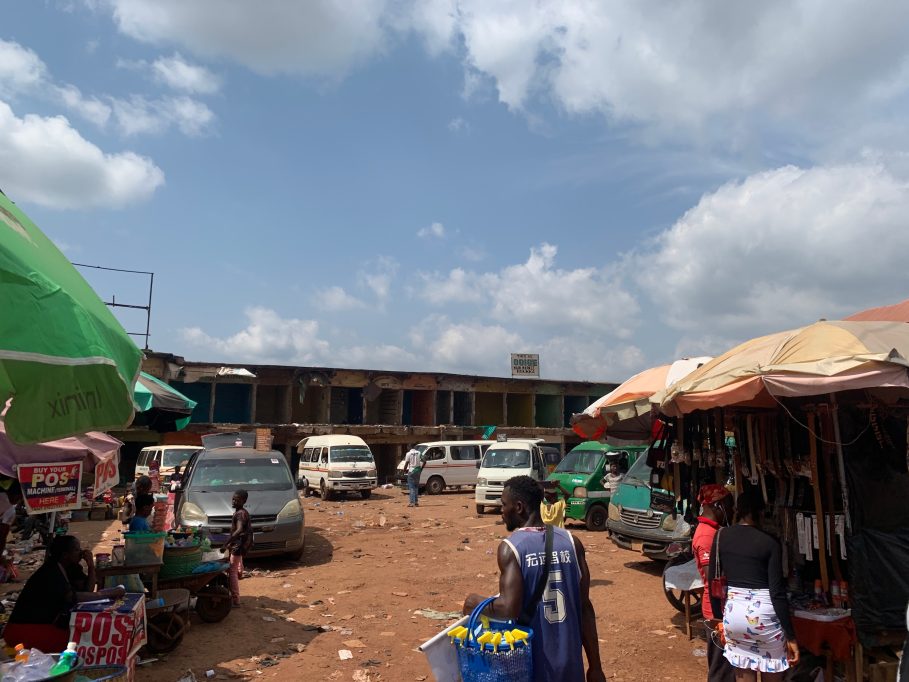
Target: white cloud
x=537, y=293
x=781, y=249
x=378, y=274
x=90, y=108
x=140, y=115
x=684, y=64
x=724, y=74
x=466, y=347
x=458, y=125
x=267, y=338
x=589, y=357
x=321, y=37
x=46, y=161
x=459, y=286
x=177, y=73
x=336, y=298
x=434, y=231
x=20, y=69
x=472, y=253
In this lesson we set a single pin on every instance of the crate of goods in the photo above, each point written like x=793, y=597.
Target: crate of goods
x=179, y=561
x=144, y=549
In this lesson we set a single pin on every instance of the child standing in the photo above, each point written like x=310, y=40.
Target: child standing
x=144, y=505
x=239, y=542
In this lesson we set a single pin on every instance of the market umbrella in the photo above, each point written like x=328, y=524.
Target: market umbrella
x=898, y=312
x=65, y=361
x=625, y=411
x=824, y=357
x=160, y=406
x=91, y=449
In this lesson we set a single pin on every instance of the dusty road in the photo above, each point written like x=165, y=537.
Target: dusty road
x=370, y=564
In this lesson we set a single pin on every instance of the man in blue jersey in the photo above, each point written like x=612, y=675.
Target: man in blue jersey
x=563, y=620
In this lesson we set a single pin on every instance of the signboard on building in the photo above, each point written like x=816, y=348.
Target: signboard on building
x=525, y=365
x=50, y=487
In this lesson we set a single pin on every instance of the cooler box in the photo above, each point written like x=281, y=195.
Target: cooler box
x=144, y=549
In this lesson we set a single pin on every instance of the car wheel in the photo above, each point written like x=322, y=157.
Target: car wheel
x=435, y=485
x=324, y=491
x=480, y=509
x=596, y=518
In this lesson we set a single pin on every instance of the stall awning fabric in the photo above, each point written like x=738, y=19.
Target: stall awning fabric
x=161, y=407
x=824, y=357
x=625, y=411
x=898, y=312
x=65, y=360
x=89, y=448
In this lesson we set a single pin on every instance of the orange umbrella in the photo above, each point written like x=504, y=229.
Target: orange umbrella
x=625, y=411
x=898, y=312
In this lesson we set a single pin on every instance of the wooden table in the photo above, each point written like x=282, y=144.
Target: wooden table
x=127, y=569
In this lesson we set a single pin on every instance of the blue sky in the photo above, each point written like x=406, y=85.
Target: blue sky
x=432, y=185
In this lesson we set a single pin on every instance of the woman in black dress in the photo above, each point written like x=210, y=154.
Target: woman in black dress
x=756, y=618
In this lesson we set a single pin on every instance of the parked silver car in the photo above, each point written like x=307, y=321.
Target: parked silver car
x=215, y=474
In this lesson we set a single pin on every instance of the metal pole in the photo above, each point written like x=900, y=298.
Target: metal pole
x=151, y=286
x=841, y=465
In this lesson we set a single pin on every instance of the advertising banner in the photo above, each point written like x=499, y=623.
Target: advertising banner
x=109, y=634
x=107, y=475
x=50, y=487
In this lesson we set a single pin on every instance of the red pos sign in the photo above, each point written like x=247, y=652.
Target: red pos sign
x=50, y=487
x=109, y=634
x=107, y=475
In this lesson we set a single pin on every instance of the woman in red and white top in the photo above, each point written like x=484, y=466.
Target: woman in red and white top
x=717, y=508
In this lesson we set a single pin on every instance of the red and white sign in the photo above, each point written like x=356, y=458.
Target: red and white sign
x=107, y=475
x=50, y=487
x=109, y=636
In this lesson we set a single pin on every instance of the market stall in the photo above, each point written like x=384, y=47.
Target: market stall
x=819, y=415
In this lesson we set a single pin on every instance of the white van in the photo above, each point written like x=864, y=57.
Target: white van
x=336, y=464
x=504, y=459
x=168, y=457
x=447, y=463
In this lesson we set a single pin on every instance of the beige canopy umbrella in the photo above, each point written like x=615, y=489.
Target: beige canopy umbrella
x=824, y=357
x=625, y=411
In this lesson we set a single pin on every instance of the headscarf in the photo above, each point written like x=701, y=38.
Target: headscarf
x=711, y=493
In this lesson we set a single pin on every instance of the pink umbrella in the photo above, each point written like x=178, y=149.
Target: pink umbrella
x=91, y=449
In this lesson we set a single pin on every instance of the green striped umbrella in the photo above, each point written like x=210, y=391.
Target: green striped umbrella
x=161, y=406
x=65, y=360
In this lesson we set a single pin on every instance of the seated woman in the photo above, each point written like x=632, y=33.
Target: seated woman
x=40, y=618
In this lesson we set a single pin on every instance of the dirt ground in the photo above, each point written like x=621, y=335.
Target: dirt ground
x=369, y=565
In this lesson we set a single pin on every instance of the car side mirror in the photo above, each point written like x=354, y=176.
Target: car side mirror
x=478, y=464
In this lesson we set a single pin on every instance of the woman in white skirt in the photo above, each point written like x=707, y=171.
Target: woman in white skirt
x=756, y=618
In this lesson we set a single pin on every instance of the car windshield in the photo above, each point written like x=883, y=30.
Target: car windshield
x=261, y=473
x=639, y=471
x=580, y=462
x=350, y=453
x=177, y=458
x=506, y=459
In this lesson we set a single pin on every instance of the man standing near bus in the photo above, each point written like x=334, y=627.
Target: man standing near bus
x=413, y=465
